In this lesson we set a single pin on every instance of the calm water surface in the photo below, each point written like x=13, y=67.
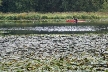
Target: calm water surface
x=53, y=28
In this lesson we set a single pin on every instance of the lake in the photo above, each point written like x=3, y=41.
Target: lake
x=48, y=28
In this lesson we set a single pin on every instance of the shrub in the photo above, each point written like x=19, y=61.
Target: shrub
x=2, y=17
x=56, y=17
x=84, y=17
x=37, y=17
x=10, y=18
x=44, y=17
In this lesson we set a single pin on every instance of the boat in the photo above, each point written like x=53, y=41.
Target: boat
x=74, y=21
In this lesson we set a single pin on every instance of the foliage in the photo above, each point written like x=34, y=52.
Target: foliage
x=55, y=15
x=0, y=2
x=105, y=6
x=52, y=5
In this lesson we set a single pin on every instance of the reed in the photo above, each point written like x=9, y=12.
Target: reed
x=55, y=15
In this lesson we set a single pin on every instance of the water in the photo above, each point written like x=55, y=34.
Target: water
x=53, y=28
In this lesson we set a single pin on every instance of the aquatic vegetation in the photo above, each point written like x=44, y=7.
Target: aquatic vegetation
x=51, y=17
x=44, y=65
x=37, y=53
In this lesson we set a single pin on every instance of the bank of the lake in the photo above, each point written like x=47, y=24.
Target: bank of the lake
x=53, y=17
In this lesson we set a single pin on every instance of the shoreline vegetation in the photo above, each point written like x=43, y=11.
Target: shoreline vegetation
x=56, y=17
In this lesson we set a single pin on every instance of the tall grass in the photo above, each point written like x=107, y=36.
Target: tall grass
x=55, y=15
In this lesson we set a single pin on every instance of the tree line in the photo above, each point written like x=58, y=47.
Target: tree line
x=52, y=5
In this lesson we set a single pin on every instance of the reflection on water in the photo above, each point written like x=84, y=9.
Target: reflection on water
x=53, y=29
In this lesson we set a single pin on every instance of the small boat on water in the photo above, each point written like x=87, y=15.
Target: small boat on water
x=74, y=21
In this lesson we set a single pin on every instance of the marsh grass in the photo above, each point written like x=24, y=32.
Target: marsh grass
x=55, y=15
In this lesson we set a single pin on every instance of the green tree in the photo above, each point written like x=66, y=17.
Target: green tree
x=18, y=5
x=4, y=7
x=25, y=5
x=64, y=5
x=105, y=5
x=0, y=5
x=0, y=2
x=49, y=5
x=52, y=5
